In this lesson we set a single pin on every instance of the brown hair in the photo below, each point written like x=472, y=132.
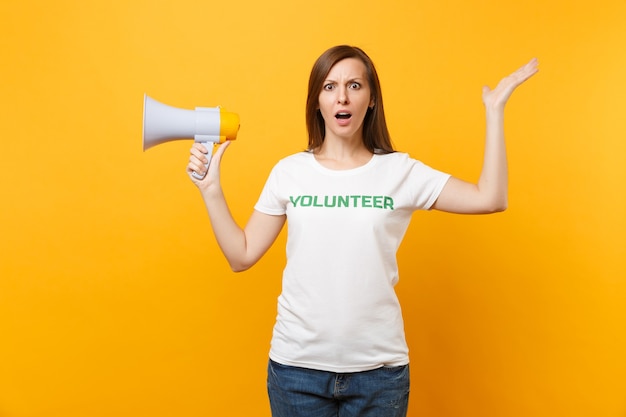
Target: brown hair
x=376, y=137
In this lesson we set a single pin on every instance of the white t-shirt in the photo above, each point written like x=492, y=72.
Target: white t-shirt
x=338, y=310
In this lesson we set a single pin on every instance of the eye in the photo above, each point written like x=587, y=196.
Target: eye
x=329, y=86
x=354, y=85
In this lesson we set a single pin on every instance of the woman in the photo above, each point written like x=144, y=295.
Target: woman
x=338, y=347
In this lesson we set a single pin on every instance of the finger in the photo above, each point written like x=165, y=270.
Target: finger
x=519, y=76
x=533, y=62
x=217, y=155
x=199, y=151
x=528, y=70
x=198, y=146
x=222, y=148
x=216, y=159
x=198, y=156
x=197, y=168
x=197, y=160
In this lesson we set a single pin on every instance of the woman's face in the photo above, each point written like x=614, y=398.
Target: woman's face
x=344, y=99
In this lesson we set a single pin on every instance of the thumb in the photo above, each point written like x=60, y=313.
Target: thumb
x=486, y=91
x=216, y=158
x=221, y=149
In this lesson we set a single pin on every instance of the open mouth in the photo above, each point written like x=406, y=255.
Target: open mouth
x=343, y=115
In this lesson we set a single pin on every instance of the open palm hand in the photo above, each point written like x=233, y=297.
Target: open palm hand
x=497, y=98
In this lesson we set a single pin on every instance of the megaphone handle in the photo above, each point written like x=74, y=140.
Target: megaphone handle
x=209, y=147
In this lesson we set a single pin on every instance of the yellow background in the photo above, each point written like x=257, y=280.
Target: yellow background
x=114, y=297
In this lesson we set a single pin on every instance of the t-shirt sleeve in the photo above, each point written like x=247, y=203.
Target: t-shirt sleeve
x=269, y=201
x=425, y=184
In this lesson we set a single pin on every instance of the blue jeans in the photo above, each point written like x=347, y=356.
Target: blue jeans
x=302, y=392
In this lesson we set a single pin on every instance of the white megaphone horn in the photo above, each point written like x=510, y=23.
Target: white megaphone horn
x=208, y=125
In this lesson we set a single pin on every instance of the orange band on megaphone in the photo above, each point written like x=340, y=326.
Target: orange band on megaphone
x=229, y=125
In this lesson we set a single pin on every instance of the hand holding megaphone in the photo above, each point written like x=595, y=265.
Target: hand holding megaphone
x=199, y=170
x=207, y=125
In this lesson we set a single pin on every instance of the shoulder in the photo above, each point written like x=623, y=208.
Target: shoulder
x=397, y=159
x=296, y=158
x=402, y=162
x=293, y=161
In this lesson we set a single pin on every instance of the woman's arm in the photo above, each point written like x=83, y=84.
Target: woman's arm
x=241, y=247
x=490, y=194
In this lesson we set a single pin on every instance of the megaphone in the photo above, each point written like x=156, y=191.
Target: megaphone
x=208, y=125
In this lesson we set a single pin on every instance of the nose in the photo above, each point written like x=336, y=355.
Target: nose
x=342, y=95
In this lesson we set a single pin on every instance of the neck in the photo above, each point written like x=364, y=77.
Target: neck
x=340, y=154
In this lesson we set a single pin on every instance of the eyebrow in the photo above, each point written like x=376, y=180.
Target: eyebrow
x=351, y=80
